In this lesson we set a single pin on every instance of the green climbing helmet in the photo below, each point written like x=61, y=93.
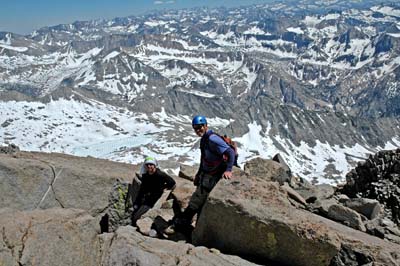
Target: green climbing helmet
x=150, y=160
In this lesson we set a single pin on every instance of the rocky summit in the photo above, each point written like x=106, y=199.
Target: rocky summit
x=316, y=82
x=59, y=209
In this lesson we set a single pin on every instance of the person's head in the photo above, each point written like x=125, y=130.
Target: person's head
x=199, y=125
x=150, y=164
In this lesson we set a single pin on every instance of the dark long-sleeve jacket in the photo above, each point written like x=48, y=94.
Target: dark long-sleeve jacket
x=152, y=187
x=212, y=150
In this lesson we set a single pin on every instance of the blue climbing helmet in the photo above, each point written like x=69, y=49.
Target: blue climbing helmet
x=199, y=120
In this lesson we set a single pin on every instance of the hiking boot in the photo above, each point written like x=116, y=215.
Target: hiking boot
x=180, y=226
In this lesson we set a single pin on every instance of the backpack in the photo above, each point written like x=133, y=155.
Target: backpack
x=230, y=143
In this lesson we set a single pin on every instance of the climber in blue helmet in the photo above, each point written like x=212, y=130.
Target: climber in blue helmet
x=199, y=120
x=212, y=168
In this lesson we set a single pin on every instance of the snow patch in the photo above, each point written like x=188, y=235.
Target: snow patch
x=386, y=10
x=110, y=55
x=13, y=48
x=256, y=31
x=297, y=30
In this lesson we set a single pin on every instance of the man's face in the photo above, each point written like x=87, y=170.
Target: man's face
x=151, y=168
x=200, y=129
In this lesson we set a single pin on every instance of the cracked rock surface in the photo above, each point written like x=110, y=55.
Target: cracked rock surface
x=48, y=237
x=31, y=180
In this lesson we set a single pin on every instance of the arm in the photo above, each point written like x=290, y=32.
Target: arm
x=171, y=184
x=230, y=153
x=138, y=200
x=141, y=190
x=231, y=159
x=223, y=149
x=169, y=181
x=196, y=180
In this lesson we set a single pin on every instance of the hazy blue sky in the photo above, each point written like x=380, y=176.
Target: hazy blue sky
x=24, y=16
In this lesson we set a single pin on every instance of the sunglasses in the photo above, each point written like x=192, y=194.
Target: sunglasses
x=149, y=164
x=197, y=127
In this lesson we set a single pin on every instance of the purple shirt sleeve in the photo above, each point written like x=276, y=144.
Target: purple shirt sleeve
x=221, y=147
x=231, y=159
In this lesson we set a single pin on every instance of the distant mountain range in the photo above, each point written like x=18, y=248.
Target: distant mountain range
x=317, y=82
